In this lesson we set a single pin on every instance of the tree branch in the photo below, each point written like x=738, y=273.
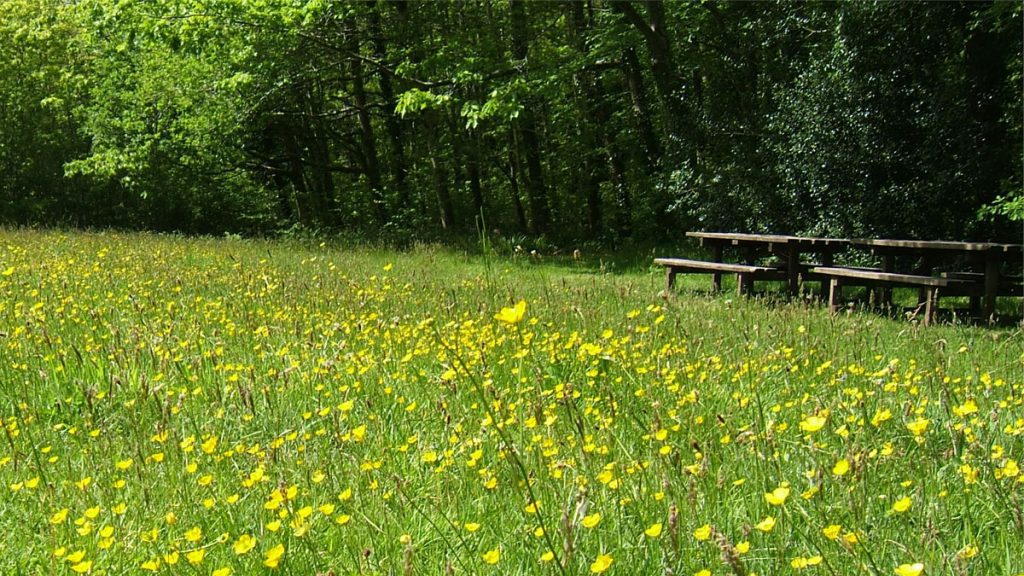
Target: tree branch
x=626, y=8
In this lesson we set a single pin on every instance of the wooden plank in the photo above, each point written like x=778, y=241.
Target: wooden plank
x=788, y=247
x=923, y=245
x=1007, y=285
x=740, y=238
x=928, y=298
x=685, y=265
x=746, y=274
x=931, y=294
x=891, y=278
x=972, y=276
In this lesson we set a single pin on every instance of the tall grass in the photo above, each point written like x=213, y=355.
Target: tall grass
x=183, y=405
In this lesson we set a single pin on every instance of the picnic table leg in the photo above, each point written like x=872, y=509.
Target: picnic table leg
x=716, y=278
x=670, y=277
x=991, y=287
x=716, y=282
x=975, y=306
x=827, y=261
x=923, y=295
x=793, y=269
x=744, y=284
x=885, y=293
x=835, y=295
x=932, y=296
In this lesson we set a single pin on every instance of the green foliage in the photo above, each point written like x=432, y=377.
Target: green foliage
x=604, y=120
x=417, y=100
x=39, y=84
x=1010, y=206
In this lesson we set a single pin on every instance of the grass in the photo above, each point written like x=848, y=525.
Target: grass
x=203, y=406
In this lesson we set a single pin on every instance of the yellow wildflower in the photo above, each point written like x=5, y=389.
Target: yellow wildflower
x=778, y=496
x=918, y=427
x=813, y=423
x=195, y=557
x=492, y=556
x=601, y=564
x=841, y=467
x=244, y=544
x=512, y=315
x=914, y=569
x=274, y=556
x=703, y=533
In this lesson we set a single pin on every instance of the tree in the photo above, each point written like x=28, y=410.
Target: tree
x=599, y=119
x=42, y=77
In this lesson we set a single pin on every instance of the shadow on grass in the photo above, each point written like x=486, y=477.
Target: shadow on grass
x=637, y=259
x=955, y=312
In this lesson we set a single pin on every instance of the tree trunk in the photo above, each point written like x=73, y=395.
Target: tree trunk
x=296, y=176
x=392, y=123
x=298, y=143
x=526, y=126
x=367, y=141
x=617, y=177
x=680, y=110
x=467, y=153
x=319, y=153
x=659, y=50
x=641, y=109
x=592, y=122
x=473, y=174
x=470, y=142
x=513, y=177
x=442, y=193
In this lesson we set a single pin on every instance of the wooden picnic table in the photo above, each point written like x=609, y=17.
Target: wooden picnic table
x=986, y=259
x=788, y=248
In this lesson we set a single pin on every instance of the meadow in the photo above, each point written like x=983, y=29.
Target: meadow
x=181, y=405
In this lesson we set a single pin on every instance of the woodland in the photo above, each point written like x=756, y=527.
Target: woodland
x=596, y=120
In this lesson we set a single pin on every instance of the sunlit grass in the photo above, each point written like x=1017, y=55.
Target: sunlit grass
x=224, y=406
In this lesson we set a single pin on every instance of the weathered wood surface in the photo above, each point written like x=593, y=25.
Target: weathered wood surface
x=929, y=286
x=684, y=265
x=745, y=273
x=789, y=248
x=985, y=257
x=876, y=277
x=740, y=238
x=983, y=285
x=884, y=244
x=1008, y=285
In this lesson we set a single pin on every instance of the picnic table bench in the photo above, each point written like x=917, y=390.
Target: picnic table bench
x=929, y=286
x=745, y=273
x=980, y=268
x=1007, y=285
x=985, y=277
x=787, y=251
